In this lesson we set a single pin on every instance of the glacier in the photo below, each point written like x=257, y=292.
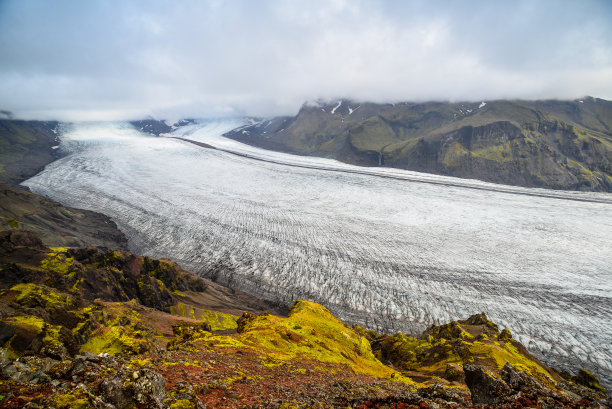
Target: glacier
x=390, y=249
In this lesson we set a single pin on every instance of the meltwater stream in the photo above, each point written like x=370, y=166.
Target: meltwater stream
x=390, y=249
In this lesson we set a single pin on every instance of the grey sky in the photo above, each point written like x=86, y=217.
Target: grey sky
x=123, y=59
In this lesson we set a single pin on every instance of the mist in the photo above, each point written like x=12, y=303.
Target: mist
x=110, y=60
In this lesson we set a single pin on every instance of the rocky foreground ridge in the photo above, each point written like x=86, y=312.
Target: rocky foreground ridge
x=84, y=327
x=551, y=144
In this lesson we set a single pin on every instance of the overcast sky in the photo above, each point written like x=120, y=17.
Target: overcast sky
x=93, y=59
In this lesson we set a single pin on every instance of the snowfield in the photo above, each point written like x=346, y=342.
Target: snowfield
x=393, y=250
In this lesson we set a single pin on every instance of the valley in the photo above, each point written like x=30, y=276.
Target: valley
x=390, y=249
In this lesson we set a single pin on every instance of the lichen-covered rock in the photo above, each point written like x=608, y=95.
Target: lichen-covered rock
x=187, y=331
x=439, y=353
x=521, y=381
x=453, y=372
x=142, y=388
x=245, y=319
x=25, y=373
x=114, y=391
x=484, y=387
x=149, y=389
x=579, y=391
x=586, y=378
x=505, y=335
x=91, y=273
x=4, y=358
x=438, y=391
x=481, y=319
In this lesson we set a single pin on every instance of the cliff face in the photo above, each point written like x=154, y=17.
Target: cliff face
x=85, y=328
x=552, y=144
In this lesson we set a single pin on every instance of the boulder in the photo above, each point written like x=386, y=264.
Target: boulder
x=484, y=387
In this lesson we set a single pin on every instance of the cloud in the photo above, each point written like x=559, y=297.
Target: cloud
x=115, y=59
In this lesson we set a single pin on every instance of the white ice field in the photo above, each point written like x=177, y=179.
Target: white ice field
x=393, y=250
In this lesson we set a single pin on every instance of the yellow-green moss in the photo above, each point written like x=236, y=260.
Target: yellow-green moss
x=47, y=297
x=182, y=404
x=582, y=172
x=497, y=153
x=321, y=337
x=35, y=323
x=453, y=154
x=57, y=262
x=218, y=321
x=123, y=332
x=454, y=344
x=59, y=249
x=179, y=309
x=12, y=223
x=74, y=400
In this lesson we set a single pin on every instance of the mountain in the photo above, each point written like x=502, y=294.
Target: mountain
x=81, y=327
x=26, y=147
x=550, y=144
x=159, y=127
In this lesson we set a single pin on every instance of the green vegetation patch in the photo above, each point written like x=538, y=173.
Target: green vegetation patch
x=32, y=295
x=475, y=340
x=58, y=262
x=77, y=399
x=454, y=154
x=122, y=332
x=311, y=331
x=497, y=153
x=218, y=321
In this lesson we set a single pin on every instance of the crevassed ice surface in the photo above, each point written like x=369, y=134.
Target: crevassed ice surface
x=377, y=246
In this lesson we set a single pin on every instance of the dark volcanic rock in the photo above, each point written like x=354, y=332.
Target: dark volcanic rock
x=152, y=126
x=512, y=387
x=58, y=225
x=10, y=239
x=485, y=389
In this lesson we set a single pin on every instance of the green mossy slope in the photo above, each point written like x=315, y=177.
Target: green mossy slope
x=553, y=144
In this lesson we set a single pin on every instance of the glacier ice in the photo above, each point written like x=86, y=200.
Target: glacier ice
x=391, y=249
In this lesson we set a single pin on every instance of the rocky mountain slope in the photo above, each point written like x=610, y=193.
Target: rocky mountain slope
x=57, y=225
x=25, y=148
x=552, y=144
x=85, y=328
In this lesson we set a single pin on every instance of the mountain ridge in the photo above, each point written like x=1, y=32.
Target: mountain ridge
x=551, y=144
